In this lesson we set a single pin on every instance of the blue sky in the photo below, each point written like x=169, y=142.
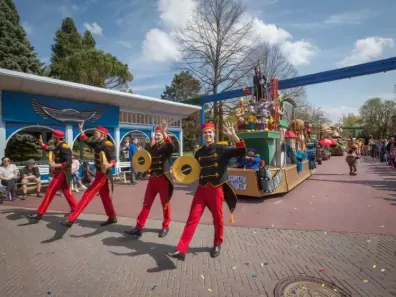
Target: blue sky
x=316, y=35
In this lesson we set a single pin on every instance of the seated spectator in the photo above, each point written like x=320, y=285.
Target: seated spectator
x=30, y=174
x=76, y=176
x=251, y=161
x=9, y=177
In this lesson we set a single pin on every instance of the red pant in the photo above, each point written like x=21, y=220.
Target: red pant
x=100, y=185
x=156, y=185
x=209, y=196
x=58, y=182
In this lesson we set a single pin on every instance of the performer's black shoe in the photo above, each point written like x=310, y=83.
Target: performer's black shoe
x=66, y=223
x=163, y=232
x=109, y=221
x=37, y=217
x=176, y=255
x=215, y=251
x=134, y=232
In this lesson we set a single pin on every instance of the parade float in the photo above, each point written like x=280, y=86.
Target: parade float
x=265, y=121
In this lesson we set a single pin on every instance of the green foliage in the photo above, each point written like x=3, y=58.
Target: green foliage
x=184, y=86
x=350, y=120
x=16, y=52
x=88, y=41
x=95, y=68
x=23, y=147
x=376, y=116
x=75, y=58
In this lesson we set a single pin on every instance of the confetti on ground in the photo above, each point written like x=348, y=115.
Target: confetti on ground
x=374, y=266
x=266, y=263
x=254, y=275
x=152, y=248
x=210, y=290
x=272, y=225
x=382, y=226
x=322, y=270
x=325, y=233
x=294, y=292
x=365, y=281
x=153, y=288
x=296, y=246
x=233, y=267
x=368, y=240
x=262, y=264
x=202, y=276
x=382, y=270
x=335, y=290
x=49, y=293
x=323, y=285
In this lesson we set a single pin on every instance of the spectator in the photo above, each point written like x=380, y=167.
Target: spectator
x=133, y=148
x=76, y=179
x=125, y=149
x=30, y=174
x=195, y=149
x=9, y=177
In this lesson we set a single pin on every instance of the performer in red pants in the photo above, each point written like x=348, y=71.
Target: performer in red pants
x=62, y=174
x=160, y=181
x=213, y=186
x=101, y=182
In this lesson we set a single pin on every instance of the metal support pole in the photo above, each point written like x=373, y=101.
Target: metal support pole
x=202, y=121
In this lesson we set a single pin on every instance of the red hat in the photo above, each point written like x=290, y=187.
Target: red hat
x=102, y=130
x=207, y=126
x=58, y=134
x=158, y=129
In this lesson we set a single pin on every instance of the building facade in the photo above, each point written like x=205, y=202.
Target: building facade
x=37, y=105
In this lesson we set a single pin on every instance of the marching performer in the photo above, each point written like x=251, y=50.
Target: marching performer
x=102, y=177
x=213, y=186
x=61, y=166
x=160, y=182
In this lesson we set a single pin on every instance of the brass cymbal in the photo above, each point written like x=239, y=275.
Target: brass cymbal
x=103, y=160
x=141, y=161
x=186, y=169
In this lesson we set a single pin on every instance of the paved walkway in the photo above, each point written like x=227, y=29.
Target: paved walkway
x=330, y=200
x=88, y=260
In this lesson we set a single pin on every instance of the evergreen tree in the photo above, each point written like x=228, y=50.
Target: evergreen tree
x=185, y=86
x=22, y=147
x=67, y=41
x=88, y=41
x=16, y=52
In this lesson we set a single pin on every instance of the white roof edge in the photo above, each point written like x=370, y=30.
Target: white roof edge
x=48, y=80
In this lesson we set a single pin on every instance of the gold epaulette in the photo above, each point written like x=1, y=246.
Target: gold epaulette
x=65, y=145
x=222, y=142
x=108, y=143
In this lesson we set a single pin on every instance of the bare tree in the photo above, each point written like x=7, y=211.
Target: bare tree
x=215, y=47
x=313, y=114
x=274, y=64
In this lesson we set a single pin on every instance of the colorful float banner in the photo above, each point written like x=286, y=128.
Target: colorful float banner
x=20, y=107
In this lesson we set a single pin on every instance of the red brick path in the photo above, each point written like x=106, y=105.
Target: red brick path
x=331, y=200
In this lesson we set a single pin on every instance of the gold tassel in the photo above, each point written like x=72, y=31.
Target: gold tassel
x=166, y=206
x=231, y=220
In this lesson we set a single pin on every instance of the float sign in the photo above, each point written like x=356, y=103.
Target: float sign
x=238, y=182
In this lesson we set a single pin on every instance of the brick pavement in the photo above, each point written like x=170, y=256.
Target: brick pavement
x=88, y=260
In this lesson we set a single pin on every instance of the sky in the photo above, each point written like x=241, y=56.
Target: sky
x=315, y=35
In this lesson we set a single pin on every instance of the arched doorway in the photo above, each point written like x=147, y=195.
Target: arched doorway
x=143, y=142
x=175, y=142
x=23, y=145
x=81, y=150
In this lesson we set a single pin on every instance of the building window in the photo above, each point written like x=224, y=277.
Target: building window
x=129, y=117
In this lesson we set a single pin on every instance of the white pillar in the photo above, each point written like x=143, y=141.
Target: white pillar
x=69, y=135
x=117, y=138
x=2, y=130
x=181, y=139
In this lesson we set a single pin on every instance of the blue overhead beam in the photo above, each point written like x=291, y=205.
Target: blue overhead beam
x=316, y=78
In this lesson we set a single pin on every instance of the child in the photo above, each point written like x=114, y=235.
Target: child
x=351, y=159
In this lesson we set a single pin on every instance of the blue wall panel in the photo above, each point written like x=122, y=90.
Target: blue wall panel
x=45, y=110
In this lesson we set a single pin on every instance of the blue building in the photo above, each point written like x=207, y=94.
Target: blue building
x=37, y=105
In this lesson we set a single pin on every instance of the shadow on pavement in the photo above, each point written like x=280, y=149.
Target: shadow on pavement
x=154, y=250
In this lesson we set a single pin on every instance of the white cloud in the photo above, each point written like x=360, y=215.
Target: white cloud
x=75, y=7
x=64, y=11
x=94, y=28
x=176, y=13
x=299, y=52
x=366, y=50
x=334, y=113
x=351, y=18
x=28, y=28
x=159, y=46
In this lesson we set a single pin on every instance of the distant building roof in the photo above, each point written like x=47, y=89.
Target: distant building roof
x=45, y=86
